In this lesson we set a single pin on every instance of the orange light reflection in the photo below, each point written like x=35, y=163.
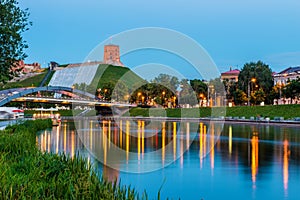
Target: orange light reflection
x=254, y=158
x=285, y=166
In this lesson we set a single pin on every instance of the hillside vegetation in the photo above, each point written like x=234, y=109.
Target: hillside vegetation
x=33, y=81
x=110, y=75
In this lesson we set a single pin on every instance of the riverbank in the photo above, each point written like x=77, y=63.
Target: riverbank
x=273, y=112
x=28, y=173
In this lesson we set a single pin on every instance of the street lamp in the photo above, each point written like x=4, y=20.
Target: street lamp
x=174, y=101
x=252, y=80
x=138, y=97
x=143, y=98
x=105, y=90
x=163, y=97
x=201, y=99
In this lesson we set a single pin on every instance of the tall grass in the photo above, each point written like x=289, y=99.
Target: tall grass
x=27, y=173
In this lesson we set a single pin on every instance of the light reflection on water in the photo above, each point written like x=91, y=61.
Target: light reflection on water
x=237, y=162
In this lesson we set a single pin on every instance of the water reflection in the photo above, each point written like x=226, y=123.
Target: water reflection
x=249, y=150
x=254, y=158
x=285, y=166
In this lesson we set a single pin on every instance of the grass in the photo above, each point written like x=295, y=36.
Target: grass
x=112, y=74
x=33, y=81
x=286, y=111
x=27, y=173
x=49, y=78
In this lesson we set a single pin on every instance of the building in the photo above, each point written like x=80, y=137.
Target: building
x=289, y=74
x=281, y=79
x=112, y=55
x=22, y=68
x=231, y=75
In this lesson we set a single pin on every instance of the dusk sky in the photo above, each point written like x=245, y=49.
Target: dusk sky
x=233, y=32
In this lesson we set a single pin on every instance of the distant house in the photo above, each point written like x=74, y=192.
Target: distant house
x=23, y=68
x=289, y=74
x=231, y=75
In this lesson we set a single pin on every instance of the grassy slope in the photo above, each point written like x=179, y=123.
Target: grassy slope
x=29, y=82
x=286, y=111
x=112, y=74
x=27, y=173
x=105, y=74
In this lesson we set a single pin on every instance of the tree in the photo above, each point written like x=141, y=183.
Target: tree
x=259, y=96
x=168, y=81
x=262, y=76
x=199, y=87
x=217, y=92
x=120, y=92
x=240, y=97
x=292, y=89
x=275, y=93
x=14, y=21
x=187, y=94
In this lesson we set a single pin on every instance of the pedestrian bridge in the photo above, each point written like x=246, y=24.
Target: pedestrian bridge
x=19, y=94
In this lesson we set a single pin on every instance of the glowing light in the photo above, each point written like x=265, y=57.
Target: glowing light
x=143, y=137
x=65, y=137
x=127, y=139
x=174, y=140
x=109, y=134
x=212, y=146
x=204, y=139
x=254, y=158
x=201, y=144
x=72, y=144
x=181, y=153
x=121, y=133
x=57, y=139
x=139, y=139
x=163, y=135
x=230, y=140
x=187, y=135
x=285, y=166
x=42, y=143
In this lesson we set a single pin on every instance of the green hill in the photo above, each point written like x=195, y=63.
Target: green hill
x=108, y=75
x=33, y=81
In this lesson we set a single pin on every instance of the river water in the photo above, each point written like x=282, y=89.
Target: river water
x=185, y=159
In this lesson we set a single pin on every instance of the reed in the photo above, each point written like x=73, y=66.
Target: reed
x=28, y=173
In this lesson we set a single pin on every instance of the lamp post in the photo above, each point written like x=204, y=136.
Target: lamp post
x=201, y=99
x=139, y=94
x=163, y=98
x=174, y=101
x=105, y=91
x=252, y=80
x=143, y=98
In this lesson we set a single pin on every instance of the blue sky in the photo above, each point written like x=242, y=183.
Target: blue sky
x=233, y=32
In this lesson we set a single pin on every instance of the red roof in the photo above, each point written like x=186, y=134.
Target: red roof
x=235, y=71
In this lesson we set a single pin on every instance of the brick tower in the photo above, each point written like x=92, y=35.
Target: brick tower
x=112, y=55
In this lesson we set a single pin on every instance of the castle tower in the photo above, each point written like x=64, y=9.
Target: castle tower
x=112, y=55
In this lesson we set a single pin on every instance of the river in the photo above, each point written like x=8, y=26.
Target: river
x=185, y=159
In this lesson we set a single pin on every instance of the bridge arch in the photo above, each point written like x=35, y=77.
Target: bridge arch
x=11, y=94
